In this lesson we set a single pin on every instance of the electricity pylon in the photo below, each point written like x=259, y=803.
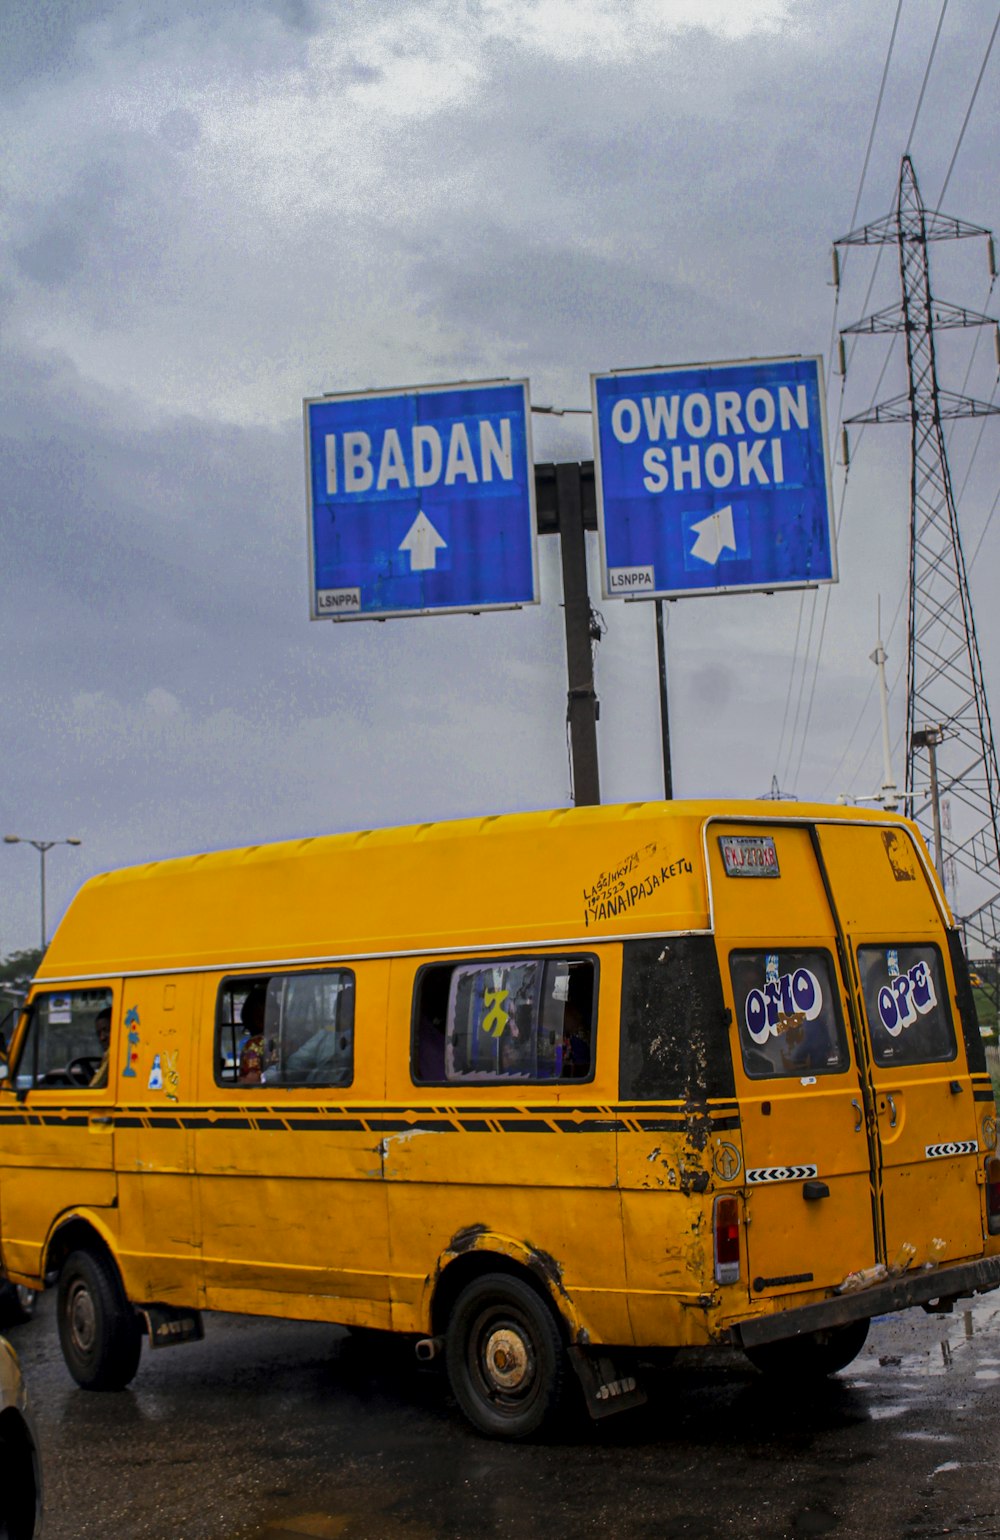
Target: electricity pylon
x=950, y=752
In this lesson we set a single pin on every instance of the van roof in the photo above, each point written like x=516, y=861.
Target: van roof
x=511, y=879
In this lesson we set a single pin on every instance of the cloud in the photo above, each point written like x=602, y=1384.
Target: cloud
x=209, y=213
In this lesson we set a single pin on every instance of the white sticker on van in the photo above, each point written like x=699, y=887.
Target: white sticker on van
x=955, y=1147
x=780, y=1174
x=792, y=998
x=910, y=994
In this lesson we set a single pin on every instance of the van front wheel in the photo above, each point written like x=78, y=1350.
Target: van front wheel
x=506, y=1360
x=98, y=1329
x=812, y=1356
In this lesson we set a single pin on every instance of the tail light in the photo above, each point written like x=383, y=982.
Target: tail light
x=993, y=1194
x=726, y=1231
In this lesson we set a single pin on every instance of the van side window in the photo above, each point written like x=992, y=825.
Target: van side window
x=286, y=1029
x=788, y=1013
x=66, y=1042
x=524, y=1020
x=906, y=1004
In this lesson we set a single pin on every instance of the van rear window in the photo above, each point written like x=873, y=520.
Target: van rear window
x=523, y=1020
x=906, y=1004
x=788, y=1013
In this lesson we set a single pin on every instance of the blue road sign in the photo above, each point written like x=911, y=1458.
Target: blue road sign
x=713, y=478
x=421, y=501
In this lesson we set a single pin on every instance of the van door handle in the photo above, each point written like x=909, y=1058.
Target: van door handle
x=101, y=1120
x=892, y=1109
x=813, y=1190
x=861, y=1117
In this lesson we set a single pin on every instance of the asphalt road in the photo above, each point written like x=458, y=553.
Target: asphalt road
x=273, y=1430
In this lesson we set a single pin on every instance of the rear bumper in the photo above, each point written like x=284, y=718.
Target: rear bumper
x=920, y=1288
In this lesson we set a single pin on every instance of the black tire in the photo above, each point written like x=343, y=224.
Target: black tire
x=813, y=1356
x=98, y=1329
x=505, y=1357
x=17, y=1305
x=19, y=1504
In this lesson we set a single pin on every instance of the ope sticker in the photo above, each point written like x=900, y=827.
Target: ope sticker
x=909, y=995
x=793, y=994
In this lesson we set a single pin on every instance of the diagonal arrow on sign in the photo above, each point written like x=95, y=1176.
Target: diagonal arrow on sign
x=423, y=542
x=715, y=535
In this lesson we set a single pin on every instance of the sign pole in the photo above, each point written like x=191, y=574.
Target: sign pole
x=581, y=699
x=661, y=655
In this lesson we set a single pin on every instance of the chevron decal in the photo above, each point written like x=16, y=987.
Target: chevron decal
x=955, y=1147
x=780, y=1174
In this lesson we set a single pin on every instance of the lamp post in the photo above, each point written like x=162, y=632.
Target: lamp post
x=43, y=847
x=931, y=738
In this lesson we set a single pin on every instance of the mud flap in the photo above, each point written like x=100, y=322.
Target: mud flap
x=606, y=1388
x=169, y=1327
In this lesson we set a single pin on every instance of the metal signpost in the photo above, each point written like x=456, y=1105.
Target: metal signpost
x=713, y=478
x=421, y=501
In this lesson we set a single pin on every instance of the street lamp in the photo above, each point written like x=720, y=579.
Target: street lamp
x=43, y=847
x=931, y=738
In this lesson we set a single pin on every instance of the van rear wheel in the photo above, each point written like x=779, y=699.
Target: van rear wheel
x=505, y=1357
x=812, y=1356
x=98, y=1329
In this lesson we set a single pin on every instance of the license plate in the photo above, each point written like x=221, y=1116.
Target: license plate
x=749, y=855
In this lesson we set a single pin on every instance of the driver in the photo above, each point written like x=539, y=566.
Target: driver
x=102, y=1026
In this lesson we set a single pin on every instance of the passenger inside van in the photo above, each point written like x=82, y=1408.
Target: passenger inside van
x=324, y=1058
x=252, y=1048
x=102, y=1026
x=575, y=1042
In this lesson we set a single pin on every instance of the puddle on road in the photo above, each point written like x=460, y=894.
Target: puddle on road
x=338, y=1526
x=969, y=1329
x=307, y=1526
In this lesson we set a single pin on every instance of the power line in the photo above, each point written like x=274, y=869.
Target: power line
x=802, y=681
x=864, y=173
x=812, y=690
x=968, y=111
x=878, y=108
x=927, y=76
x=791, y=681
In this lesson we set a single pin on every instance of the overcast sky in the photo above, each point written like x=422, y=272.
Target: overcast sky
x=210, y=212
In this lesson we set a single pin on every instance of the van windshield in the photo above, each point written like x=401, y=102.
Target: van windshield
x=788, y=1013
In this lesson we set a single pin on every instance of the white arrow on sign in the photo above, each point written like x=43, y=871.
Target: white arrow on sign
x=423, y=543
x=715, y=535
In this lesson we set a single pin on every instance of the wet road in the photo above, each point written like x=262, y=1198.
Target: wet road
x=269, y=1431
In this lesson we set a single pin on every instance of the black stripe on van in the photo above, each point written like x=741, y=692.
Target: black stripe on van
x=636, y=1118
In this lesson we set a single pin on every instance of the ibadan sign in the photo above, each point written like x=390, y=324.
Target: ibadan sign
x=712, y=478
x=421, y=501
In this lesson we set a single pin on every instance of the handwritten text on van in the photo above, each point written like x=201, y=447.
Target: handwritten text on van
x=624, y=885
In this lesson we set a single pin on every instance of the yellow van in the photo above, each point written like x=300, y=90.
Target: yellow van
x=543, y=1091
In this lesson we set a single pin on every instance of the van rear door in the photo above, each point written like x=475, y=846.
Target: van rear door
x=925, y=1146
x=808, y=1168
